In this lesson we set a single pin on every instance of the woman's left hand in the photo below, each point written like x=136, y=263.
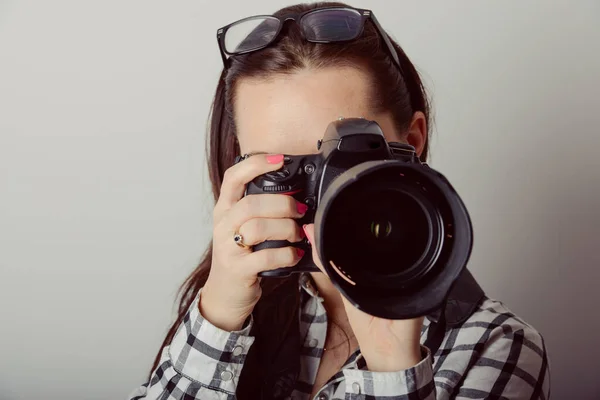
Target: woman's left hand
x=387, y=345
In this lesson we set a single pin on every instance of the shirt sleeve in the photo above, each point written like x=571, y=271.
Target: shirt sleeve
x=202, y=361
x=511, y=364
x=509, y=361
x=415, y=382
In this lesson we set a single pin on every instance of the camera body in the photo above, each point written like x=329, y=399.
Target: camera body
x=346, y=143
x=392, y=233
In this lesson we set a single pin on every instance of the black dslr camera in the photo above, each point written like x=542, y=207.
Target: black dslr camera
x=392, y=233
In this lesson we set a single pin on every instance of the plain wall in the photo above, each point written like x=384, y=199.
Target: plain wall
x=105, y=203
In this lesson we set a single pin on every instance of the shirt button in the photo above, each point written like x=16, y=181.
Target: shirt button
x=313, y=343
x=322, y=396
x=237, y=350
x=356, y=387
x=226, y=375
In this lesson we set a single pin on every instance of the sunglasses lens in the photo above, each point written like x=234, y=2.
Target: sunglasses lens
x=250, y=34
x=332, y=25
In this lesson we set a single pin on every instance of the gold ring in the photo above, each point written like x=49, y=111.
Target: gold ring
x=239, y=240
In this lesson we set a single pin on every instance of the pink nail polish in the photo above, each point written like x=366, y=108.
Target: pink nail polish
x=301, y=207
x=275, y=159
x=300, y=252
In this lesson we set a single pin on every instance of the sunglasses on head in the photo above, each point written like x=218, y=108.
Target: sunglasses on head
x=321, y=25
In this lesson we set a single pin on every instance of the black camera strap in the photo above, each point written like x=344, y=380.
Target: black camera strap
x=462, y=301
x=436, y=332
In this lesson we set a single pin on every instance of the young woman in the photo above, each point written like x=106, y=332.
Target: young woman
x=241, y=336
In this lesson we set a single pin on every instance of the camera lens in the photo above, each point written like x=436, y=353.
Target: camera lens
x=392, y=236
x=390, y=227
x=381, y=230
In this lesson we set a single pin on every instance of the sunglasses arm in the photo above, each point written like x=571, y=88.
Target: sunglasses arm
x=219, y=33
x=387, y=41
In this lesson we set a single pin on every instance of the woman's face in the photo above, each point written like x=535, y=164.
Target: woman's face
x=289, y=113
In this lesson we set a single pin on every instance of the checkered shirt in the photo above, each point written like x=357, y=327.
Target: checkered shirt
x=493, y=355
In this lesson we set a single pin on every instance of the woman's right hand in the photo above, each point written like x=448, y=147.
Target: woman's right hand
x=233, y=287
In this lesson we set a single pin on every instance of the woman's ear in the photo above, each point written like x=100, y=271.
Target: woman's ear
x=417, y=132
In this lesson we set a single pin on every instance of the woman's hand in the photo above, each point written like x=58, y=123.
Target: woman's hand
x=387, y=345
x=233, y=287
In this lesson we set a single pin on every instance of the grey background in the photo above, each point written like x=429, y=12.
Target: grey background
x=105, y=204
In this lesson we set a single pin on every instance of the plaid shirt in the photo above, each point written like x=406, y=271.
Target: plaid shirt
x=494, y=354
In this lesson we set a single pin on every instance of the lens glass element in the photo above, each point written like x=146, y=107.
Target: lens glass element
x=380, y=229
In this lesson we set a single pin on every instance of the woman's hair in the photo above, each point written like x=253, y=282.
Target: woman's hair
x=400, y=94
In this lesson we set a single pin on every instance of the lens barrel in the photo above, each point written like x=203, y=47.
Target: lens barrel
x=392, y=236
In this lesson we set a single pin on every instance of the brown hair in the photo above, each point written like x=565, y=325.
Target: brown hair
x=400, y=94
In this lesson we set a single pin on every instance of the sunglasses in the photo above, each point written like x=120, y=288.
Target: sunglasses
x=322, y=25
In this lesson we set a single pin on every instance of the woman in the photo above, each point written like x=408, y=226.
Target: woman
x=241, y=336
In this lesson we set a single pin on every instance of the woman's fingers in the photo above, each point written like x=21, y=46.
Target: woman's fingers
x=258, y=230
x=309, y=231
x=263, y=206
x=238, y=175
x=268, y=259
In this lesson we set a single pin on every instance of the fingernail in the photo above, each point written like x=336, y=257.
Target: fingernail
x=302, y=233
x=306, y=234
x=301, y=207
x=300, y=252
x=275, y=159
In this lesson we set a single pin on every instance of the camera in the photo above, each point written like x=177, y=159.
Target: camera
x=392, y=233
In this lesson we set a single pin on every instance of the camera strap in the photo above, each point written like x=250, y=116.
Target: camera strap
x=436, y=332
x=461, y=302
